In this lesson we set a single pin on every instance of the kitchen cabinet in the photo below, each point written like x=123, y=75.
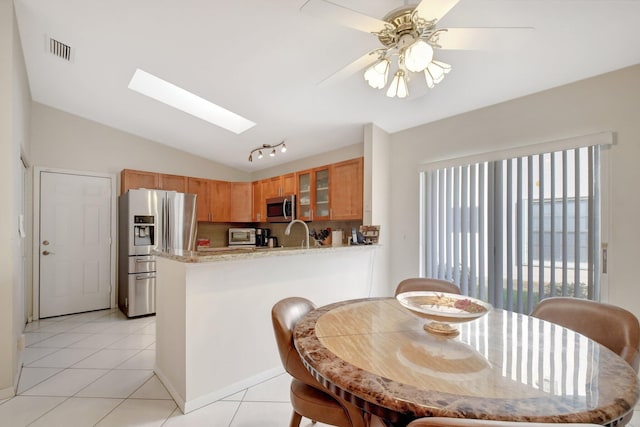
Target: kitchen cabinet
x=271, y=187
x=313, y=194
x=240, y=202
x=258, y=202
x=130, y=178
x=288, y=184
x=172, y=183
x=346, y=190
x=213, y=199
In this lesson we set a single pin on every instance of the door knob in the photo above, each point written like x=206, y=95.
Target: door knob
x=45, y=253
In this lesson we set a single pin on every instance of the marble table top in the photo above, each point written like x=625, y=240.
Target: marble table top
x=503, y=366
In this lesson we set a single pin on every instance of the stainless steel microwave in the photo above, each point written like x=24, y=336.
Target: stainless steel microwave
x=281, y=209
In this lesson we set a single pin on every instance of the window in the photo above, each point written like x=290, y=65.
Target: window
x=517, y=230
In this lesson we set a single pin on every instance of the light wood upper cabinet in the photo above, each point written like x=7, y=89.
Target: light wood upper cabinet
x=288, y=184
x=240, y=202
x=346, y=189
x=271, y=187
x=173, y=183
x=200, y=187
x=258, y=205
x=138, y=179
x=219, y=200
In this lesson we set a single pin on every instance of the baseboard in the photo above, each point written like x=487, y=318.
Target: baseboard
x=204, y=400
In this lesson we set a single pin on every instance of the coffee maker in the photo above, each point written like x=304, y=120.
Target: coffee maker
x=262, y=236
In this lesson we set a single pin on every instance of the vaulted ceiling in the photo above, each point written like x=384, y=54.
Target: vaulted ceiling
x=264, y=60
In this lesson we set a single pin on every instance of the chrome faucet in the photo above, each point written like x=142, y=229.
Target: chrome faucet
x=287, y=231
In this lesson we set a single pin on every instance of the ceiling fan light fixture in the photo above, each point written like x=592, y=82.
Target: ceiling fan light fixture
x=260, y=154
x=418, y=56
x=377, y=74
x=273, y=153
x=437, y=70
x=284, y=148
x=398, y=86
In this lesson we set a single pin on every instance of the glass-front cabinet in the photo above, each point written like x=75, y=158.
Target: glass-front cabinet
x=321, y=210
x=313, y=194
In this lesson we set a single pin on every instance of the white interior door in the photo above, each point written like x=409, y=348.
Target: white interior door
x=75, y=243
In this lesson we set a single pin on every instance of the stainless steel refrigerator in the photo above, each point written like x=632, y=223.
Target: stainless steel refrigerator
x=150, y=220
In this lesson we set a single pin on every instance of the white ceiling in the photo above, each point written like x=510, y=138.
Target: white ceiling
x=264, y=60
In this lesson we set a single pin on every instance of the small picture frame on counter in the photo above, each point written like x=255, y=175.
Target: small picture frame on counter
x=371, y=234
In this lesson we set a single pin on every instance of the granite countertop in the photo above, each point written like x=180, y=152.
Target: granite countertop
x=237, y=253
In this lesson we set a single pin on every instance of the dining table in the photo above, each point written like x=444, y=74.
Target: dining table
x=376, y=354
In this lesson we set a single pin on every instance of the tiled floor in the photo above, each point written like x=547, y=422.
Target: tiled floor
x=96, y=369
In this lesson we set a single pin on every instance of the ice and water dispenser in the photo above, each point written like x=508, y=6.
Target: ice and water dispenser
x=143, y=230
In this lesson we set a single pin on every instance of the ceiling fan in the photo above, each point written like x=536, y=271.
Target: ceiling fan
x=411, y=33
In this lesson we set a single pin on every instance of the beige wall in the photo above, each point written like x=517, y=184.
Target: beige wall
x=65, y=141
x=610, y=102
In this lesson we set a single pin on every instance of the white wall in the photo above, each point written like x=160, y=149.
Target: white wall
x=377, y=210
x=65, y=141
x=608, y=102
x=14, y=119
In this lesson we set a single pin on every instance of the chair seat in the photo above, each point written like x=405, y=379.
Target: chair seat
x=317, y=405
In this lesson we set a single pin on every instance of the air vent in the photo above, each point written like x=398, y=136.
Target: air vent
x=60, y=49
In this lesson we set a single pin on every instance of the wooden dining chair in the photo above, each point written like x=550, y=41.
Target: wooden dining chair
x=467, y=422
x=609, y=325
x=308, y=397
x=426, y=284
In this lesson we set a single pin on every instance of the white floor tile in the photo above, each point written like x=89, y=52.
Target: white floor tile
x=77, y=412
x=66, y=383
x=31, y=338
x=31, y=354
x=96, y=340
x=149, y=329
x=152, y=389
x=257, y=414
x=273, y=390
x=144, y=359
x=61, y=340
x=116, y=384
x=218, y=414
x=22, y=410
x=93, y=327
x=237, y=397
x=124, y=328
x=30, y=377
x=134, y=341
x=105, y=359
x=62, y=358
x=139, y=413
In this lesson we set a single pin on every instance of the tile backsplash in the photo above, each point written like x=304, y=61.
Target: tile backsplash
x=218, y=234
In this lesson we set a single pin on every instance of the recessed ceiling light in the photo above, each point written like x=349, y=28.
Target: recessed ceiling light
x=170, y=94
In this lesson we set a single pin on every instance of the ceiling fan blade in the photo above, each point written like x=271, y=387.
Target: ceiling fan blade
x=346, y=72
x=434, y=9
x=484, y=38
x=342, y=15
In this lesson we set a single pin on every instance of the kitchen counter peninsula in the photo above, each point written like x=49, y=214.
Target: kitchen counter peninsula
x=214, y=335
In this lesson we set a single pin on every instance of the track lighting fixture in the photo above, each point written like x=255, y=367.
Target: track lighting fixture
x=283, y=149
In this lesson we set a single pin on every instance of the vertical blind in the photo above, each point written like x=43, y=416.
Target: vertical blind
x=515, y=231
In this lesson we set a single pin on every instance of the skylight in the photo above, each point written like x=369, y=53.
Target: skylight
x=176, y=97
